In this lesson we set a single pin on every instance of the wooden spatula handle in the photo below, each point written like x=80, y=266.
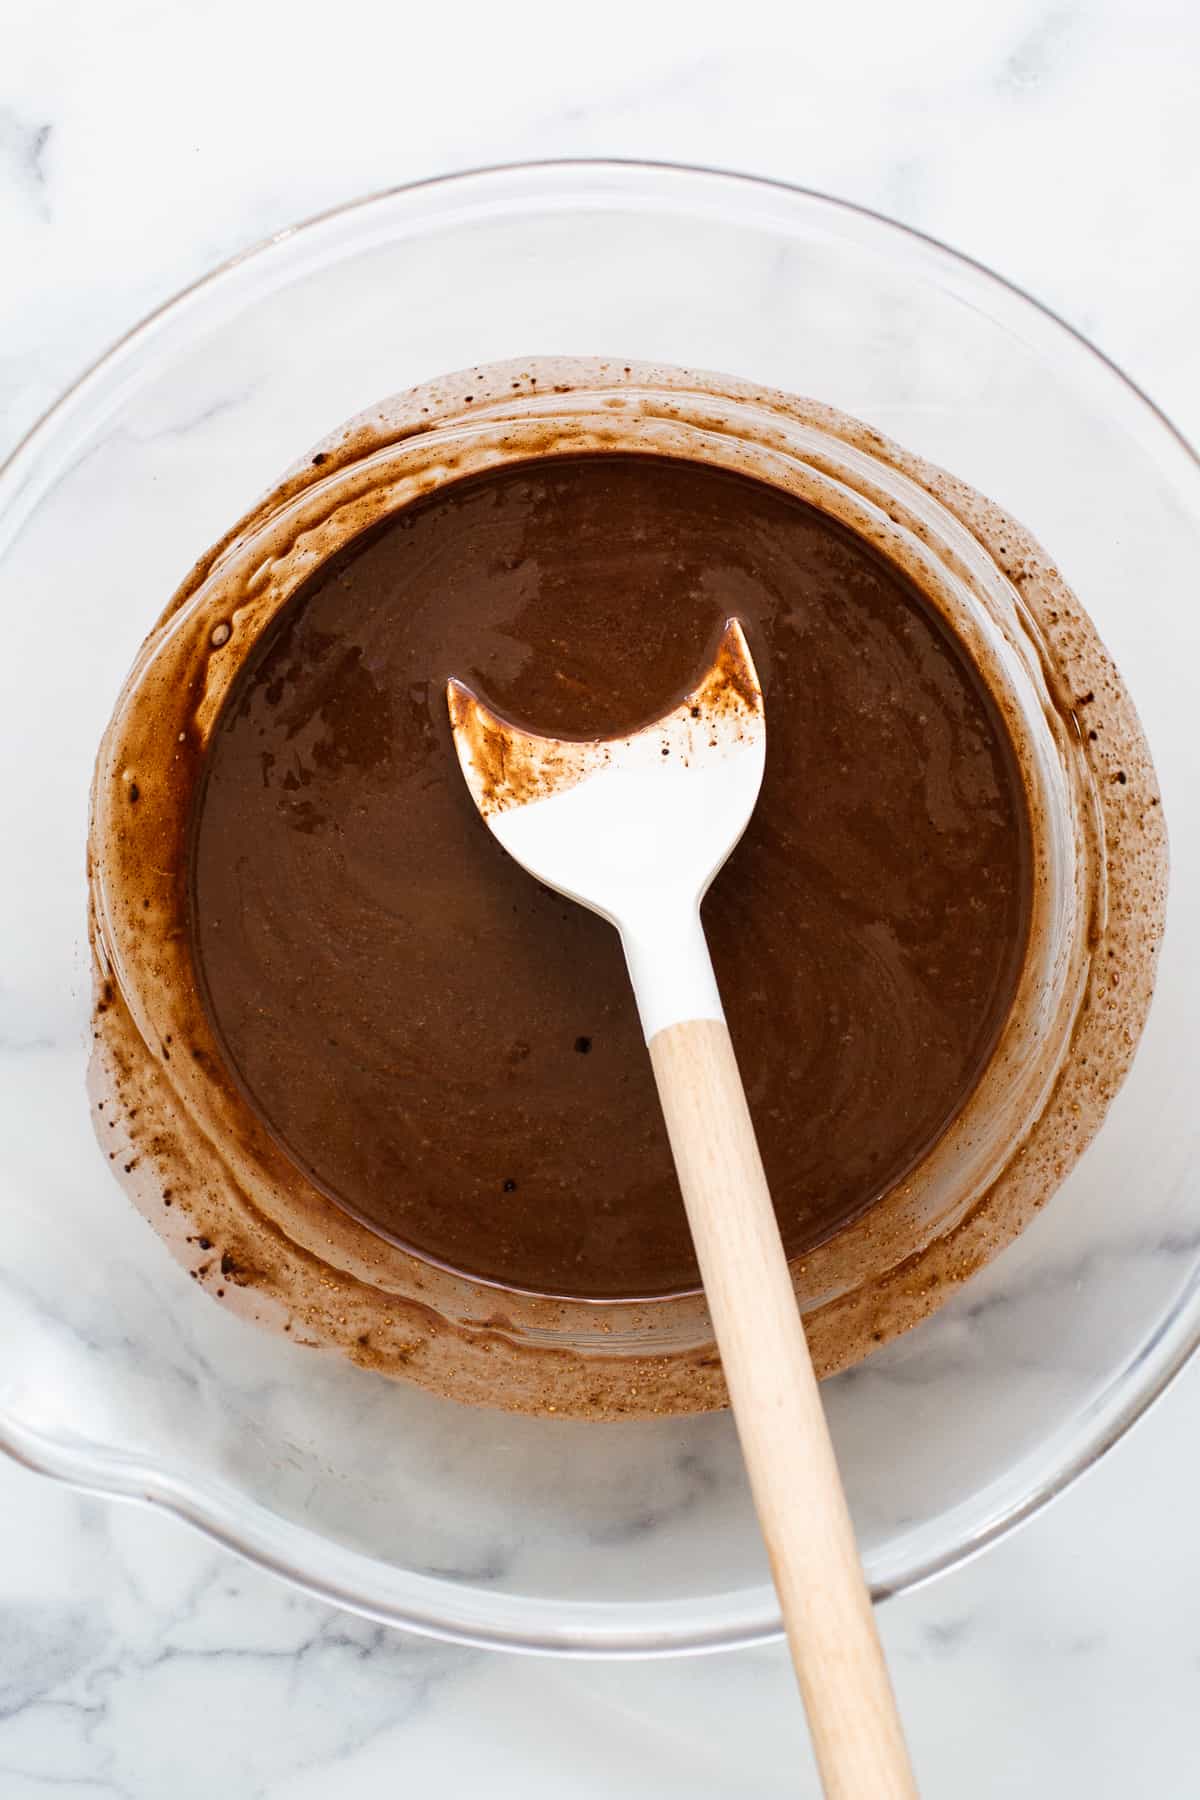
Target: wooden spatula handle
x=785, y=1441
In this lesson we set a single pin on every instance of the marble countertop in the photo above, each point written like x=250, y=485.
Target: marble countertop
x=139, y=145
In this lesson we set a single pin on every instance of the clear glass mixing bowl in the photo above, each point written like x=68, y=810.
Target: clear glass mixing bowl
x=570, y=1537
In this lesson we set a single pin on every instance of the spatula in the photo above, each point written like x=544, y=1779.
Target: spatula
x=636, y=828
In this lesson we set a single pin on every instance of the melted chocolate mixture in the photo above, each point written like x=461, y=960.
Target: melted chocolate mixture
x=451, y=1051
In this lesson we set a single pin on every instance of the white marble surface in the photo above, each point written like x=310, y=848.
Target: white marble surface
x=138, y=145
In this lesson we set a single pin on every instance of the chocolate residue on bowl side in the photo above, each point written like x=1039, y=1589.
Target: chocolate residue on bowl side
x=194, y=1154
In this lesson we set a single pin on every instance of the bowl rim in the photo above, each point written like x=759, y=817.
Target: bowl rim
x=351, y=1579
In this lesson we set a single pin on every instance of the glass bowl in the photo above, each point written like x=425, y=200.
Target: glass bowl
x=563, y=1535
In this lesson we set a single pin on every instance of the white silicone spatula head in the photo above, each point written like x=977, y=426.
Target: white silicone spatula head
x=634, y=827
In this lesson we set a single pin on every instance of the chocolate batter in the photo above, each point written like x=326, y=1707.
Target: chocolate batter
x=451, y=1051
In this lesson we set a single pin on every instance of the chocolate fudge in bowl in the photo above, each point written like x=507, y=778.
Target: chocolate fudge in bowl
x=385, y=1092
